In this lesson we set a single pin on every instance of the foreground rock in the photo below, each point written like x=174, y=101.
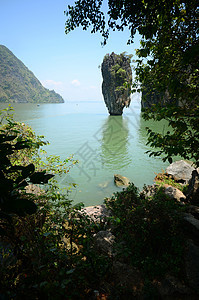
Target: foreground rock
x=116, y=71
x=33, y=189
x=194, y=210
x=193, y=188
x=192, y=225
x=129, y=279
x=192, y=265
x=97, y=214
x=104, y=241
x=172, y=288
x=181, y=171
x=174, y=193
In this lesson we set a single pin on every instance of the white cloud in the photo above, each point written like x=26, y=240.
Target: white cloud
x=76, y=82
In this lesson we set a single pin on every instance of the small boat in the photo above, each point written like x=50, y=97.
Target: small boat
x=38, y=104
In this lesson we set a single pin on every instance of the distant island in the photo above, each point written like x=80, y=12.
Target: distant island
x=19, y=85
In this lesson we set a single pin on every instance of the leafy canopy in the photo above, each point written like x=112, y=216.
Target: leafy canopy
x=166, y=65
x=15, y=176
x=147, y=17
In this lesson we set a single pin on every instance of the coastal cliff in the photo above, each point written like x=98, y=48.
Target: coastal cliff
x=117, y=78
x=151, y=97
x=19, y=85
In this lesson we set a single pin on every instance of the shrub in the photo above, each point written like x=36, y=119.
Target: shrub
x=150, y=230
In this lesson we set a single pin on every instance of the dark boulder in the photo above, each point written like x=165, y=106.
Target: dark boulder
x=192, y=265
x=193, y=188
x=104, y=242
x=97, y=213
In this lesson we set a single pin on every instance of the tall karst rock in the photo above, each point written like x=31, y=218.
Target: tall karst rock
x=18, y=83
x=117, y=79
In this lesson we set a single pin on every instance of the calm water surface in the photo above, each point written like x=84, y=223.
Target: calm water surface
x=104, y=145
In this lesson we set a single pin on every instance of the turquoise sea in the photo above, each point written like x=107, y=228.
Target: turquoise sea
x=104, y=145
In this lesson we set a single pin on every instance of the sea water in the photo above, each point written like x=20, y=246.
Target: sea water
x=104, y=145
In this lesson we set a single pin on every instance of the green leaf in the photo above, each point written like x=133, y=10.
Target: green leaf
x=170, y=160
x=6, y=149
x=28, y=170
x=4, y=162
x=20, y=181
x=40, y=177
x=22, y=145
x=20, y=207
x=5, y=138
x=15, y=168
x=6, y=185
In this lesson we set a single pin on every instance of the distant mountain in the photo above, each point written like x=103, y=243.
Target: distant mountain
x=18, y=83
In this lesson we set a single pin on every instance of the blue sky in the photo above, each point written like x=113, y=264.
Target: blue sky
x=34, y=31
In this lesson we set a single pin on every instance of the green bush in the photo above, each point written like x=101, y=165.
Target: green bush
x=150, y=230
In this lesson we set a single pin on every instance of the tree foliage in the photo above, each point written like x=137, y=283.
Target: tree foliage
x=166, y=64
x=120, y=71
x=14, y=177
x=149, y=18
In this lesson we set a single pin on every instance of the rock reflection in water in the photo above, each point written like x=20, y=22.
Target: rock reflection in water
x=115, y=143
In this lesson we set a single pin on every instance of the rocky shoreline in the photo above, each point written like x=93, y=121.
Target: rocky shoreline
x=169, y=287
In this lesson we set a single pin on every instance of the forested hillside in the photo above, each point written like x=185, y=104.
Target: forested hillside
x=18, y=83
